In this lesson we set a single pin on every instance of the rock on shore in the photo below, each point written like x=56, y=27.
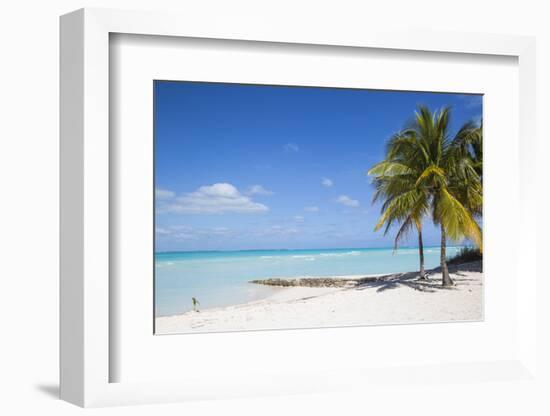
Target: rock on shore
x=317, y=281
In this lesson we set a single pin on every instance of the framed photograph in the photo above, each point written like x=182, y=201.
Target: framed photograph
x=243, y=212
x=275, y=228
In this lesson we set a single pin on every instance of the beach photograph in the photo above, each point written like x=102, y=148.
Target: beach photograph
x=290, y=207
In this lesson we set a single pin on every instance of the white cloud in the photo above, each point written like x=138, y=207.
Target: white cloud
x=176, y=233
x=258, y=190
x=218, y=198
x=185, y=235
x=311, y=209
x=277, y=230
x=291, y=147
x=179, y=232
x=298, y=218
x=327, y=182
x=164, y=194
x=221, y=230
x=347, y=201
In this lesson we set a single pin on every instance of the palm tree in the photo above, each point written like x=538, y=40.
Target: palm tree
x=467, y=180
x=469, y=140
x=444, y=175
x=404, y=202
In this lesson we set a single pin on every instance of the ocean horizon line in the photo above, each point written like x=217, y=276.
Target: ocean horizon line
x=303, y=249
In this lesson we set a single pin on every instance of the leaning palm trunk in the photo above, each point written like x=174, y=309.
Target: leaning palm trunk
x=421, y=255
x=446, y=277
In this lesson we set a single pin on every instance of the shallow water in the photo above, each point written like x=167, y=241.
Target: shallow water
x=221, y=278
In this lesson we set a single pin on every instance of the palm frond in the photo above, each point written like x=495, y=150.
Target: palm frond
x=403, y=231
x=389, y=168
x=457, y=220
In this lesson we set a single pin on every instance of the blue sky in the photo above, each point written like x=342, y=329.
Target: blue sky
x=241, y=167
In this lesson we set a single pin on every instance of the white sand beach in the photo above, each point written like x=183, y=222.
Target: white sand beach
x=390, y=299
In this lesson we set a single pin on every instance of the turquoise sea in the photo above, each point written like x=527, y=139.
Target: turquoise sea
x=220, y=278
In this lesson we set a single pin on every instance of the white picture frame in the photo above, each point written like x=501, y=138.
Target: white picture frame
x=86, y=355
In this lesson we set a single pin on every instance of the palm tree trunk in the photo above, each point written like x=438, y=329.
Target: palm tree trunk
x=421, y=255
x=447, y=281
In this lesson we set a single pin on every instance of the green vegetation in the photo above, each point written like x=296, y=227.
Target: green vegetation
x=466, y=255
x=427, y=173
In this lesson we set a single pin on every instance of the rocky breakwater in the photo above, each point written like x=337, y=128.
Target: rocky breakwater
x=317, y=281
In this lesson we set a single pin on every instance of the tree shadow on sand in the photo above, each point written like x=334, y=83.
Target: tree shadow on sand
x=412, y=281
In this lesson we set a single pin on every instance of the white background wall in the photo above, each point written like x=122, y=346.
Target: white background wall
x=29, y=200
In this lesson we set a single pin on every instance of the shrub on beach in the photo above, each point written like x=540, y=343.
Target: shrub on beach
x=465, y=255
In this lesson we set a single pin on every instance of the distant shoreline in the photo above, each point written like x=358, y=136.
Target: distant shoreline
x=303, y=249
